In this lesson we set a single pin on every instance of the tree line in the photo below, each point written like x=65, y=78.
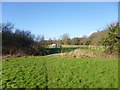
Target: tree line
x=108, y=37
x=15, y=41
x=20, y=42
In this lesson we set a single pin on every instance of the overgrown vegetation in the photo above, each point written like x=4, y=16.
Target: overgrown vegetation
x=88, y=53
x=20, y=42
x=59, y=72
x=23, y=43
x=112, y=39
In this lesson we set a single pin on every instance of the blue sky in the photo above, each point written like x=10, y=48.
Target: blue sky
x=54, y=19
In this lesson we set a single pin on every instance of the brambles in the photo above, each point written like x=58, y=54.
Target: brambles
x=88, y=53
x=21, y=43
x=58, y=72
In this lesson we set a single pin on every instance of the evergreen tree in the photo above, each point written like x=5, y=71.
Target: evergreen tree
x=113, y=38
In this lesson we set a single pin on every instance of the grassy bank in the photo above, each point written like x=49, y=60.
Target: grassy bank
x=58, y=72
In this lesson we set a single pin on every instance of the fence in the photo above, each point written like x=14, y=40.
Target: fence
x=102, y=48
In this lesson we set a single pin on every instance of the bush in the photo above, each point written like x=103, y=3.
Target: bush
x=20, y=42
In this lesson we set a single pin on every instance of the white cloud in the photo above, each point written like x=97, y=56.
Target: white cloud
x=92, y=32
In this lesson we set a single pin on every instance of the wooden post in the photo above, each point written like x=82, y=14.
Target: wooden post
x=62, y=50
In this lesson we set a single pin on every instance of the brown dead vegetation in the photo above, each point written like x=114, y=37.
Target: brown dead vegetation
x=85, y=53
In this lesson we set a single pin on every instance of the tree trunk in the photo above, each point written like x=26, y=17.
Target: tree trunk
x=11, y=51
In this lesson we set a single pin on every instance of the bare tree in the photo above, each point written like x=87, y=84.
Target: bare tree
x=65, y=39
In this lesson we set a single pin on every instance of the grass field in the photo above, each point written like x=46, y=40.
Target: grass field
x=59, y=72
x=68, y=48
x=58, y=50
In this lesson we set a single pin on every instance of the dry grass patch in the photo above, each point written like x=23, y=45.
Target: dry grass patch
x=89, y=54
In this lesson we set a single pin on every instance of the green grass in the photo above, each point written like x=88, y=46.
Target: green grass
x=58, y=50
x=68, y=48
x=59, y=72
x=24, y=72
x=82, y=73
